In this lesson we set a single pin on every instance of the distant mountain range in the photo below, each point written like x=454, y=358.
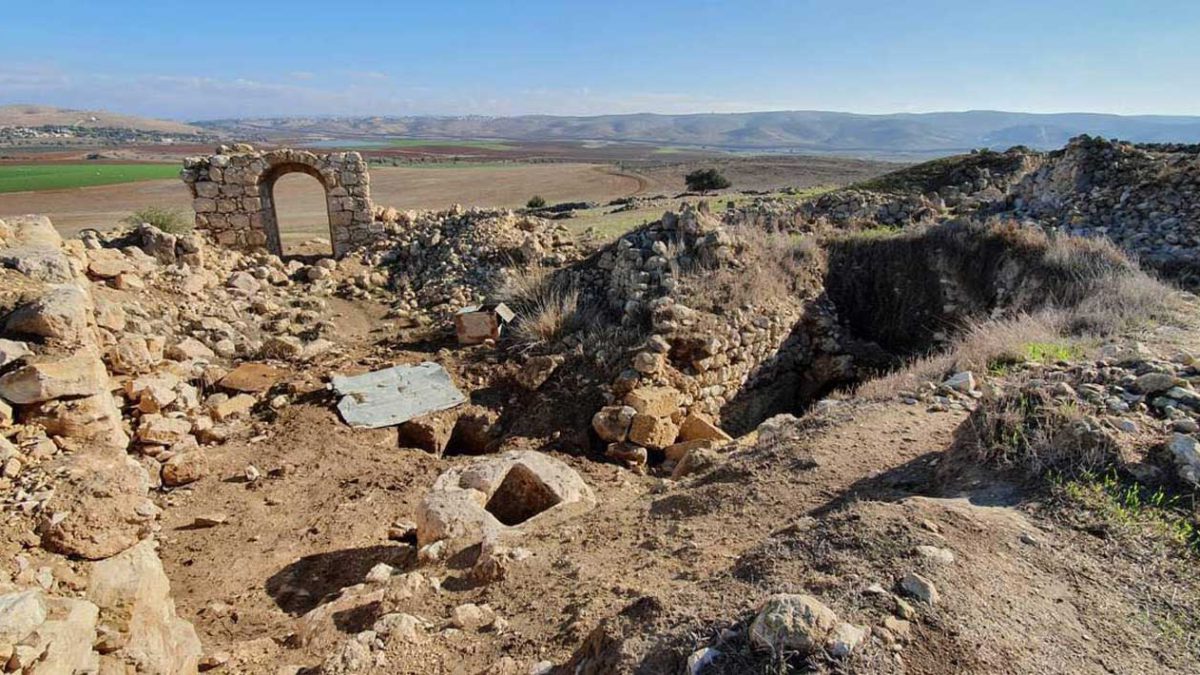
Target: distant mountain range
x=816, y=132
x=794, y=131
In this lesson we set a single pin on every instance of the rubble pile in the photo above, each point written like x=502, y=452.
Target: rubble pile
x=66, y=470
x=1144, y=200
x=441, y=261
x=704, y=359
x=922, y=193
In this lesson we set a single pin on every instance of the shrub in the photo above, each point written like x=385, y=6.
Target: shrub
x=171, y=221
x=703, y=180
x=766, y=266
x=981, y=346
x=535, y=202
x=1028, y=428
x=546, y=317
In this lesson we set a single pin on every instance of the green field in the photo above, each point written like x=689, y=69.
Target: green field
x=24, y=177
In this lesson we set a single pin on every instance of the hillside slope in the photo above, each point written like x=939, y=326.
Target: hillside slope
x=21, y=115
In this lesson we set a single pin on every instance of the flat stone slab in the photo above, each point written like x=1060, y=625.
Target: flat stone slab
x=252, y=378
x=395, y=395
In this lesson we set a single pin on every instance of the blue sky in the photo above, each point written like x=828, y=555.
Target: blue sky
x=202, y=60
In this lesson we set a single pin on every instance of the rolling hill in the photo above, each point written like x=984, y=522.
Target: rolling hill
x=22, y=115
x=800, y=131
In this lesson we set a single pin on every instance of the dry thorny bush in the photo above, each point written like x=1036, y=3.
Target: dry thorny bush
x=1031, y=429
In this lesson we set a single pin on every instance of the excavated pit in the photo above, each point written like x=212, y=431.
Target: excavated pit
x=910, y=294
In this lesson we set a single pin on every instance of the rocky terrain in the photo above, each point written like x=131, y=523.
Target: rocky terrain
x=1142, y=197
x=917, y=426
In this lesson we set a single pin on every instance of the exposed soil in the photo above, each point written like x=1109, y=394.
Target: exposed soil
x=838, y=507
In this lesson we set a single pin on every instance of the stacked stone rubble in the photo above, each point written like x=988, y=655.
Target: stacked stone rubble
x=1146, y=201
x=65, y=469
x=730, y=365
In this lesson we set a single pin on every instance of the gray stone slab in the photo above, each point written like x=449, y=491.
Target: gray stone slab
x=395, y=395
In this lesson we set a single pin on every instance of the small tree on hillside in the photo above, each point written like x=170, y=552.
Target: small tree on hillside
x=703, y=180
x=535, y=202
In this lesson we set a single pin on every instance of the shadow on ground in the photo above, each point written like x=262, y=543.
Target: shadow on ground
x=308, y=582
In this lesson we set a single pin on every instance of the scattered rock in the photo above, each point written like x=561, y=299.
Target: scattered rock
x=612, y=422
x=792, y=622
x=963, y=382
x=653, y=401
x=845, y=639
x=935, y=554
x=697, y=427
x=185, y=467
x=537, y=370
x=470, y=616
x=1153, y=383
x=920, y=588
x=1185, y=452
x=653, y=432
x=44, y=379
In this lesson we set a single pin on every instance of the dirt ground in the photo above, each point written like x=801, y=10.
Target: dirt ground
x=831, y=512
x=302, y=205
x=436, y=186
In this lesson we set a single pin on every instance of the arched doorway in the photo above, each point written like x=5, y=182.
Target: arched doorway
x=296, y=211
x=234, y=195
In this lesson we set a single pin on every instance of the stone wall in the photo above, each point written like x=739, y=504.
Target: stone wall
x=734, y=362
x=233, y=195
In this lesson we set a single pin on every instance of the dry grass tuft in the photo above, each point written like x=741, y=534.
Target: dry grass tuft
x=977, y=349
x=767, y=266
x=1029, y=429
x=546, y=305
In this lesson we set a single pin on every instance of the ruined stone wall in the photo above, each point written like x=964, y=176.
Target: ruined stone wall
x=731, y=361
x=233, y=195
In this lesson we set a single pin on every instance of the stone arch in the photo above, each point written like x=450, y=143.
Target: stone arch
x=233, y=195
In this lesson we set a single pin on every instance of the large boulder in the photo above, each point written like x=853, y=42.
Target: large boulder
x=47, y=378
x=499, y=494
x=654, y=401
x=33, y=247
x=20, y=613
x=11, y=350
x=430, y=433
x=134, y=597
x=100, y=507
x=33, y=230
x=46, y=635
x=63, y=643
x=63, y=312
x=612, y=422
x=792, y=622
x=92, y=419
